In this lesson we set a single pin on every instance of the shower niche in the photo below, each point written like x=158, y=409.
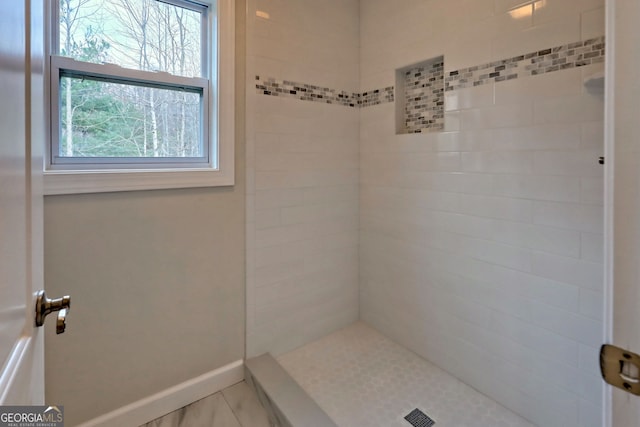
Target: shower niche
x=420, y=97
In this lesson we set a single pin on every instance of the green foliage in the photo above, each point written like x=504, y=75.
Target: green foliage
x=103, y=125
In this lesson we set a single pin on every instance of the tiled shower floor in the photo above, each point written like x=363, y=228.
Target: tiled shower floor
x=360, y=378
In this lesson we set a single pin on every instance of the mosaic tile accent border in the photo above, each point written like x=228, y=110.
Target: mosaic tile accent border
x=376, y=96
x=306, y=92
x=558, y=58
x=424, y=97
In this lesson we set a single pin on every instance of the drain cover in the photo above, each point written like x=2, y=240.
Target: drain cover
x=417, y=418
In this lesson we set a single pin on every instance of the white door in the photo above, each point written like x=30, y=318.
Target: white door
x=21, y=122
x=623, y=195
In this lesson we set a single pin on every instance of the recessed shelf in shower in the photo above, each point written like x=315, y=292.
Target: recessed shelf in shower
x=420, y=97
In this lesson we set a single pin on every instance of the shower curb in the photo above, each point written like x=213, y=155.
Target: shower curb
x=287, y=404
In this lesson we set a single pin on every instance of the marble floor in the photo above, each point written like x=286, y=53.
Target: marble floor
x=235, y=406
x=360, y=378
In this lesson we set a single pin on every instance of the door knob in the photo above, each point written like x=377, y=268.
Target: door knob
x=45, y=306
x=620, y=368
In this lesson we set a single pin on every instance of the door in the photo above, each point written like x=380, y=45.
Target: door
x=21, y=122
x=622, y=185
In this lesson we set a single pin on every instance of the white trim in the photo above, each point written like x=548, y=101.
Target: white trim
x=609, y=150
x=171, y=399
x=126, y=75
x=221, y=124
x=224, y=120
x=101, y=181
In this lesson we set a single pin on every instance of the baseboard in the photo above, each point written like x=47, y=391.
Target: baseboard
x=166, y=401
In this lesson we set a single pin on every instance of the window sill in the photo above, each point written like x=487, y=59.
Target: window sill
x=102, y=181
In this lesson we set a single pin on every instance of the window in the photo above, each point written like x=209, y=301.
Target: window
x=137, y=98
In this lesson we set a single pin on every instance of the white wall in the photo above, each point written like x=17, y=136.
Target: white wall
x=481, y=246
x=156, y=280
x=302, y=175
x=625, y=97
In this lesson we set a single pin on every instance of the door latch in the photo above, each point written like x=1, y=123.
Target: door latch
x=45, y=306
x=620, y=368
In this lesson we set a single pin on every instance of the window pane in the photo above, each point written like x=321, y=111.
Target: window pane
x=141, y=34
x=108, y=119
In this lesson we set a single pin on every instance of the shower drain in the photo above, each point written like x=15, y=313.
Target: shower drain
x=417, y=418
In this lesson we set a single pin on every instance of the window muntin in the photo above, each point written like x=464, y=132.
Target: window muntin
x=136, y=92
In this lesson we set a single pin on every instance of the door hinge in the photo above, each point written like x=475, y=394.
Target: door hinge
x=620, y=368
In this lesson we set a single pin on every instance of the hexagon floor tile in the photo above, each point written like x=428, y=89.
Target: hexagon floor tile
x=360, y=378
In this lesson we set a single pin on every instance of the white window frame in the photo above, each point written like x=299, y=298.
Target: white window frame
x=218, y=125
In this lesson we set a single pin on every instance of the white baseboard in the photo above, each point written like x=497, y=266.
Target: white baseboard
x=159, y=404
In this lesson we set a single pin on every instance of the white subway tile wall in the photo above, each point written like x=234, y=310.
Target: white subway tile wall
x=479, y=247
x=302, y=171
x=488, y=261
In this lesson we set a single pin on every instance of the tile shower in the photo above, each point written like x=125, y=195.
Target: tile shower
x=475, y=243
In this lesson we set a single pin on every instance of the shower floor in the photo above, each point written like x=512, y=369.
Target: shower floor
x=360, y=378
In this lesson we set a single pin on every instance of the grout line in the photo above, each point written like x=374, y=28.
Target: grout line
x=222, y=392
